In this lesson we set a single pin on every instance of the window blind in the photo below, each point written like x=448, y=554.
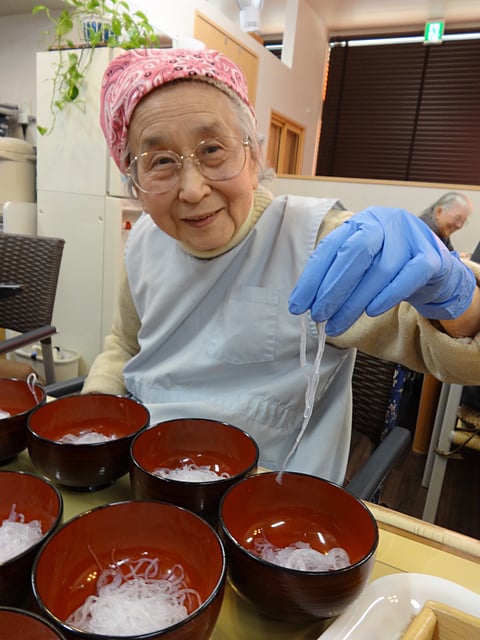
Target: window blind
x=447, y=136
x=403, y=112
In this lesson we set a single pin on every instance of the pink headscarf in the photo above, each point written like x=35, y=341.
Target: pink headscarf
x=133, y=74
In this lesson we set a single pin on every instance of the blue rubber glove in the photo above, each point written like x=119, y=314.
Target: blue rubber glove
x=376, y=259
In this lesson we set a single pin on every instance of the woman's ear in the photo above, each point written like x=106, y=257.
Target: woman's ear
x=254, y=172
x=141, y=200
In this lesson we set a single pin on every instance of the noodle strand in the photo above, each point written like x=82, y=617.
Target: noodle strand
x=312, y=384
x=134, y=598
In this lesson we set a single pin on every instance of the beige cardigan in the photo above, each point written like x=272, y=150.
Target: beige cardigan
x=401, y=334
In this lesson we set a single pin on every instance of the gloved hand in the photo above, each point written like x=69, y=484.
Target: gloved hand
x=373, y=261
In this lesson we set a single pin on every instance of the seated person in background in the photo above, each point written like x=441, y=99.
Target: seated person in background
x=217, y=272
x=447, y=215
x=13, y=369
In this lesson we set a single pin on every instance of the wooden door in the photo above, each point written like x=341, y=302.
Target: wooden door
x=215, y=38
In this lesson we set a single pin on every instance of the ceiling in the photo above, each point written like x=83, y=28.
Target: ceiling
x=339, y=16
x=347, y=16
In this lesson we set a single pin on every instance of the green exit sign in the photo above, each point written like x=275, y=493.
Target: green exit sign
x=434, y=31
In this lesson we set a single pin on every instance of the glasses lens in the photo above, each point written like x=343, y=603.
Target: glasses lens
x=217, y=159
x=155, y=171
x=220, y=158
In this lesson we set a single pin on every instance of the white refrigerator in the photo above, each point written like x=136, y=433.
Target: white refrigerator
x=80, y=198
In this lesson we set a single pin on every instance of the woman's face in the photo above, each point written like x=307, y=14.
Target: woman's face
x=450, y=219
x=200, y=213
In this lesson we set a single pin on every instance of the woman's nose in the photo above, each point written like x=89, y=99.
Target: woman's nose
x=192, y=184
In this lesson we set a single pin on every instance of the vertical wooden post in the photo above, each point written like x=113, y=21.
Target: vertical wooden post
x=426, y=413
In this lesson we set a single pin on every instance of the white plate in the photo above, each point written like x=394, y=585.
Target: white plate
x=386, y=607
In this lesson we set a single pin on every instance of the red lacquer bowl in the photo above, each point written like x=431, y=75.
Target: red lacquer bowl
x=33, y=498
x=84, y=467
x=67, y=567
x=221, y=447
x=17, y=624
x=299, y=508
x=17, y=399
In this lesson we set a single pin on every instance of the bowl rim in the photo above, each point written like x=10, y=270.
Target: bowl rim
x=35, y=616
x=31, y=432
x=39, y=403
x=216, y=482
x=88, y=635
x=57, y=519
x=288, y=570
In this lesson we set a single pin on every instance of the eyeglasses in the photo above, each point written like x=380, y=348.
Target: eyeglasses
x=217, y=159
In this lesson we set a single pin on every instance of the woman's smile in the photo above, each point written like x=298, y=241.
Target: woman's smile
x=201, y=220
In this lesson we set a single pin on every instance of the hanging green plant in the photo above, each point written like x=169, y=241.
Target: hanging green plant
x=109, y=23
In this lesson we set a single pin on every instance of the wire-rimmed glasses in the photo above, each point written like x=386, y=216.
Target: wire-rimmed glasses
x=217, y=159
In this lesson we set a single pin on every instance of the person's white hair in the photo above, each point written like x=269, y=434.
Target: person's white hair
x=448, y=200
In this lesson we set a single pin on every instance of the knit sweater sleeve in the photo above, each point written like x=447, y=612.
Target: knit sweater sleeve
x=401, y=335
x=106, y=372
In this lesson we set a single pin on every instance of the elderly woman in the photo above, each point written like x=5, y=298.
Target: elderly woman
x=207, y=324
x=448, y=214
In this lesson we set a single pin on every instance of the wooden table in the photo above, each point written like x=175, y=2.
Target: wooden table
x=406, y=545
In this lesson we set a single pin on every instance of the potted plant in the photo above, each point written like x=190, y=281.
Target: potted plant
x=108, y=23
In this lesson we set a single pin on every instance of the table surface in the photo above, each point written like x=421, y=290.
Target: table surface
x=406, y=544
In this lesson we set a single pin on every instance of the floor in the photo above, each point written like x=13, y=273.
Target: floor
x=459, y=507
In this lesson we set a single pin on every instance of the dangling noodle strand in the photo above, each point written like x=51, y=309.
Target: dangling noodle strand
x=312, y=384
x=31, y=383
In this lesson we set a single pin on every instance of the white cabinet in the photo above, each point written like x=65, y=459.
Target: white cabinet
x=79, y=219
x=74, y=173
x=73, y=157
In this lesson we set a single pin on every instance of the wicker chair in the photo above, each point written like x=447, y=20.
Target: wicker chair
x=372, y=383
x=33, y=262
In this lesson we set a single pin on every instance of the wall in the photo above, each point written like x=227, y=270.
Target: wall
x=289, y=88
x=21, y=37
x=357, y=195
x=286, y=89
